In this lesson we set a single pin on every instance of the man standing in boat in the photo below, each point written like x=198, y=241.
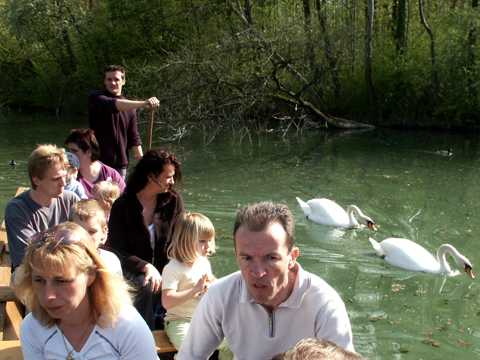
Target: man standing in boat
x=113, y=118
x=45, y=205
x=271, y=303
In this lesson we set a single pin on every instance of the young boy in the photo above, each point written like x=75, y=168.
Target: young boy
x=90, y=215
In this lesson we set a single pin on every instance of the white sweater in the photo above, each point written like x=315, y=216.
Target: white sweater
x=313, y=310
x=129, y=339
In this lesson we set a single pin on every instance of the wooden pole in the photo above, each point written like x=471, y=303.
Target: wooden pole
x=150, y=129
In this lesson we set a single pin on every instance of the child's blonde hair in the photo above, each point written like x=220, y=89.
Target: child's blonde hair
x=189, y=230
x=87, y=209
x=106, y=192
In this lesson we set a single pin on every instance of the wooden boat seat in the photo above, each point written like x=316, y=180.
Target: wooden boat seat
x=10, y=350
x=162, y=342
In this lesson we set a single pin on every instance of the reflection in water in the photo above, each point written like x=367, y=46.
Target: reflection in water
x=409, y=192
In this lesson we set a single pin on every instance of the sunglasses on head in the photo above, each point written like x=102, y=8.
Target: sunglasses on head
x=54, y=238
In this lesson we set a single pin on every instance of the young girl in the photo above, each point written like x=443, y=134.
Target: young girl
x=188, y=274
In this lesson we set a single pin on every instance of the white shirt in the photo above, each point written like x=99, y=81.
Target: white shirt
x=313, y=310
x=112, y=261
x=130, y=339
x=179, y=276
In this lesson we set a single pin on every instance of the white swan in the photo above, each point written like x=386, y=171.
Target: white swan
x=328, y=212
x=408, y=255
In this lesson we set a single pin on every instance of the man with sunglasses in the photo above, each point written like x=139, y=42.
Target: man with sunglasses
x=45, y=205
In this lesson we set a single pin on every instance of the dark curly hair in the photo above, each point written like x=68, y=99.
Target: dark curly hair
x=152, y=163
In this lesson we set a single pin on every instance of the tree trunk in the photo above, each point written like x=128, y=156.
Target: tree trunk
x=369, y=12
x=353, y=33
x=247, y=12
x=472, y=73
x=434, y=81
x=307, y=25
x=329, y=52
x=400, y=14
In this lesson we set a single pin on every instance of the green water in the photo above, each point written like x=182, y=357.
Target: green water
x=395, y=177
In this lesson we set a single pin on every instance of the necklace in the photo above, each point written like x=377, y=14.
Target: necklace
x=69, y=353
x=83, y=338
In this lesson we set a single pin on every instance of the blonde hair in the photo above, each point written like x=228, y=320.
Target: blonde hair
x=189, y=230
x=42, y=158
x=87, y=209
x=60, y=248
x=106, y=192
x=307, y=349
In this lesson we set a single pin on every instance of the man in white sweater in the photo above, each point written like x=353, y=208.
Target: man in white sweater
x=271, y=303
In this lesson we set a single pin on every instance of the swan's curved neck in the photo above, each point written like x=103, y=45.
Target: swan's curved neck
x=442, y=252
x=353, y=210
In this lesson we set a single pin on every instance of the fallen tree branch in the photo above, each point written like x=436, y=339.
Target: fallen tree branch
x=332, y=121
x=287, y=95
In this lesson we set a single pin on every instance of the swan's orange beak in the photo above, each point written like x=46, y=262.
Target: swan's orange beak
x=371, y=225
x=469, y=271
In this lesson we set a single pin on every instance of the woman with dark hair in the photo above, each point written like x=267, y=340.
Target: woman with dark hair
x=83, y=144
x=140, y=224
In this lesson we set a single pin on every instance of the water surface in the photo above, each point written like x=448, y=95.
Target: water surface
x=398, y=178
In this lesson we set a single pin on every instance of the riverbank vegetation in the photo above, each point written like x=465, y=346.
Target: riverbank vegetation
x=251, y=64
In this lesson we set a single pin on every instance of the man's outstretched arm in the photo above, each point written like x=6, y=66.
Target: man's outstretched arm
x=125, y=104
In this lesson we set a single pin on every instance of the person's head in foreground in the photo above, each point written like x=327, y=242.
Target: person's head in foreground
x=106, y=192
x=265, y=251
x=47, y=170
x=63, y=278
x=157, y=169
x=193, y=236
x=91, y=216
x=309, y=349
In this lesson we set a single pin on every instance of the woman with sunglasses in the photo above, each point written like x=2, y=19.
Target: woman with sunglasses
x=79, y=310
x=84, y=144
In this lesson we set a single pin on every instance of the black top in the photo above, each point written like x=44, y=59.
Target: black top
x=129, y=238
x=116, y=131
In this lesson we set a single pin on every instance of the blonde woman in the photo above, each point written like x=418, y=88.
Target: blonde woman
x=79, y=310
x=188, y=274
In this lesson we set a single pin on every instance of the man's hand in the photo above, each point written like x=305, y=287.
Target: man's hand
x=152, y=278
x=152, y=103
x=137, y=152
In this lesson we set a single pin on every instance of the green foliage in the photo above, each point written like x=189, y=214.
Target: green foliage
x=214, y=67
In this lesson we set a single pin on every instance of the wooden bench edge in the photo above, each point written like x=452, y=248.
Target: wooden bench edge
x=162, y=342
